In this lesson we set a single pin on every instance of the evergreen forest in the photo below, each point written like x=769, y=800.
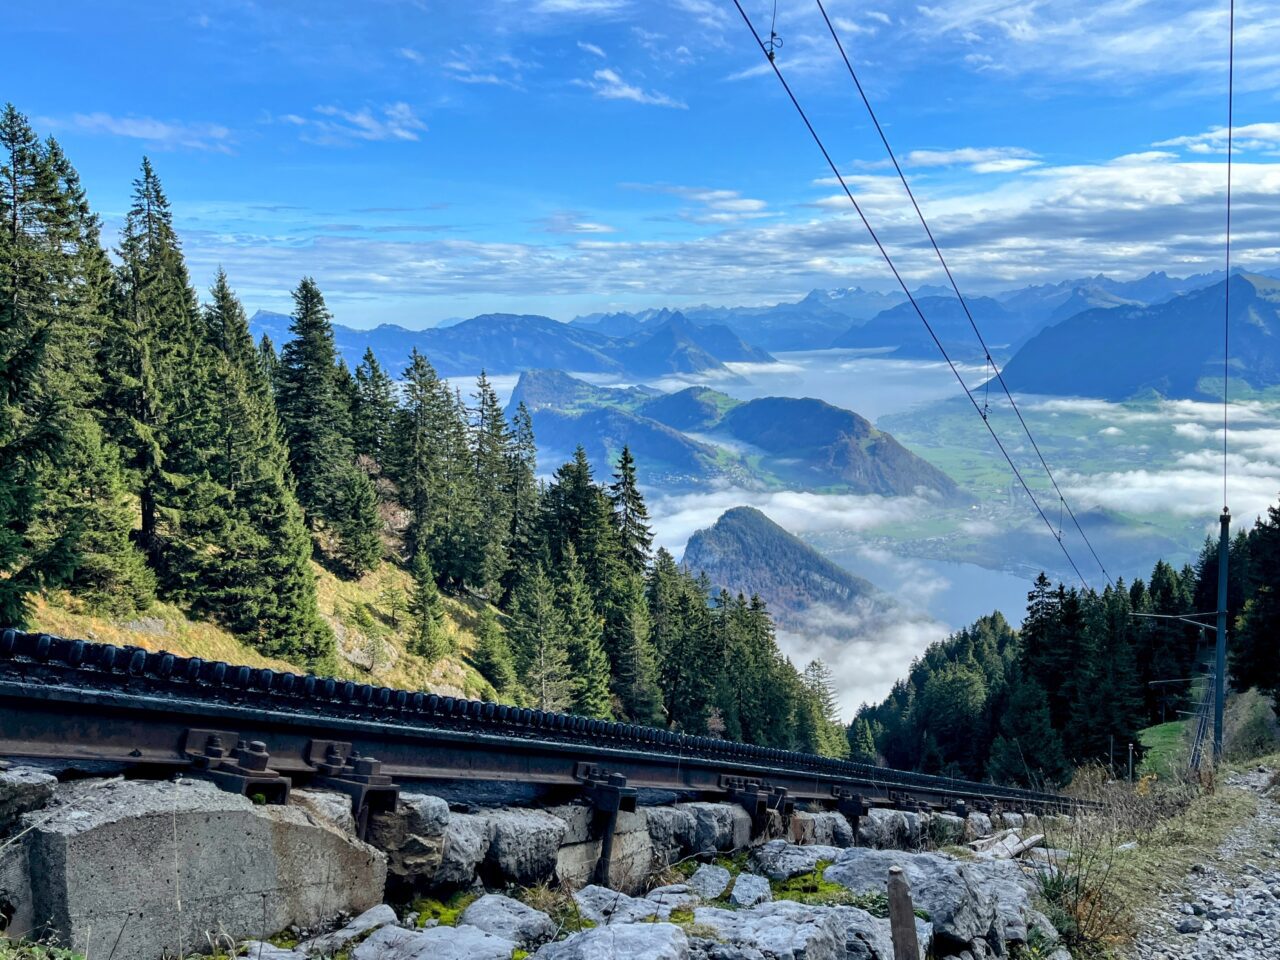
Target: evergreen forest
x=149, y=448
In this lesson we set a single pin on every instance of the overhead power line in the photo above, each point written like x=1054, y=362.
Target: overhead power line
x=853, y=74
x=1226, y=289
x=905, y=289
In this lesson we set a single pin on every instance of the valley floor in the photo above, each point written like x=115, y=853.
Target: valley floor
x=1228, y=906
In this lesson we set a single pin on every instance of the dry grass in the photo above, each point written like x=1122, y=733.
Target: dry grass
x=367, y=615
x=1140, y=845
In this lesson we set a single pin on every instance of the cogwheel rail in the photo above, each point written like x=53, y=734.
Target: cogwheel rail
x=258, y=732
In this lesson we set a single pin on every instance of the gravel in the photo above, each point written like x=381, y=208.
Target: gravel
x=1231, y=905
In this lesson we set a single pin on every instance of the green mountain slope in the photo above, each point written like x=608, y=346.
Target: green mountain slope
x=745, y=551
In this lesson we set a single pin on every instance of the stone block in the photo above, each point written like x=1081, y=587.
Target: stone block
x=511, y=919
x=718, y=827
x=160, y=866
x=463, y=848
x=327, y=805
x=438, y=943
x=413, y=837
x=670, y=832
x=749, y=889
x=642, y=941
x=330, y=943
x=23, y=789
x=523, y=846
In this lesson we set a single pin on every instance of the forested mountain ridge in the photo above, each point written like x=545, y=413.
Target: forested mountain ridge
x=150, y=452
x=1168, y=348
x=1083, y=674
x=698, y=436
x=508, y=343
x=744, y=551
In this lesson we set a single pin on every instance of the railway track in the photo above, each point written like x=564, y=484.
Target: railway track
x=260, y=732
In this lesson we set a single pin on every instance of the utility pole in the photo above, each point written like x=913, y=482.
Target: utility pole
x=1220, y=673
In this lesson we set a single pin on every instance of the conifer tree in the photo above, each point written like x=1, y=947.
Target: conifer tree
x=635, y=671
x=862, y=742
x=418, y=450
x=588, y=663
x=356, y=522
x=1029, y=750
x=493, y=657
x=537, y=638
x=630, y=514
x=426, y=611
x=373, y=410
x=1256, y=659
x=260, y=582
x=493, y=453
x=311, y=408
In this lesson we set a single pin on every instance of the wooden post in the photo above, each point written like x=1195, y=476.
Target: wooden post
x=902, y=917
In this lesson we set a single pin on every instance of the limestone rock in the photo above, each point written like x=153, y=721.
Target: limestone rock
x=709, y=881
x=781, y=930
x=643, y=941
x=749, y=889
x=866, y=937
x=946, y=829
x=412, y=836
x=524, y=845
x=779, y=860
x=946, y=889
x=98, y=852
x=463, y=848
x=436, y=943
x=505, y=917
x=677, y=896
x=328, y=805
x=331, y=943
x=718, y=827
x=23, y=789
x=977, y=825
x=601, y=905
x=670, y=832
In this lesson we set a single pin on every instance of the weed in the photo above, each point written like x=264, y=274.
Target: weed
x=558, y=903
x=22, y=950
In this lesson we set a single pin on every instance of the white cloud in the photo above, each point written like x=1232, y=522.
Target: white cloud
x=580, y=6
x=713, y=206
x=978, y=159
x=336, y=125
x=608, y=84
x=160, y=134
x=591, y=48
x=413, y=56
x=1250, y=136
x=567, y=221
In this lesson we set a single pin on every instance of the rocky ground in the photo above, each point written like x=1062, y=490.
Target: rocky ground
x=1230, y=907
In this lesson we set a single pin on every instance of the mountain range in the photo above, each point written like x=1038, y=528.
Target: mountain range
x=509, y=343
x=1173, y=348
x=699, y=436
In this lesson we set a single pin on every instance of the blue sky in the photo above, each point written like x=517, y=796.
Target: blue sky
x=433, y=159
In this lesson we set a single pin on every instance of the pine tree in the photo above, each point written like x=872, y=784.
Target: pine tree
x=1256, y=658
x=65, y=513
x=493, y=657
x=426, y=611
x=356, y=522
x=1029, y=751
x=522, y=499
x=537, y=638
x=372, y=411
x=820, y=684
x=636, y=671
x=630, y=514
x=311, y=409
x=588, y=663
x=260, y=582
x=862, y=742
x=417, y=451
x=161, y=388
x=493, y=452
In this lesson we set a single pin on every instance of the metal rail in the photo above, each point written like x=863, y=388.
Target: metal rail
x=258, y=731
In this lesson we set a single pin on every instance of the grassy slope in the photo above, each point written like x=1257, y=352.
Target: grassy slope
x=367, y=617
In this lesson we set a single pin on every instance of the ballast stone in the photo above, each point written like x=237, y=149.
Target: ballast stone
x=749, y=889
x=779, y=860
x=709, y=881
x=112, y=859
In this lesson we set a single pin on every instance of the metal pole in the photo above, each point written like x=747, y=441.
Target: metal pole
x=1131, y=763
x=1220, y=674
